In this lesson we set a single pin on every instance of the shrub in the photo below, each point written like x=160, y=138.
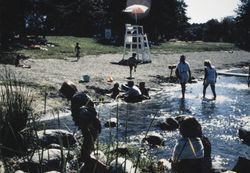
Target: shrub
x=15, y=107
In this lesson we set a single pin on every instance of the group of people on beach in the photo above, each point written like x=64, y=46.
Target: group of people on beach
x=183, y=74
x=84, y=115
x=192, y=151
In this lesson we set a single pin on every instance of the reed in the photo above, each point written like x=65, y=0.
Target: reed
x=15, y=108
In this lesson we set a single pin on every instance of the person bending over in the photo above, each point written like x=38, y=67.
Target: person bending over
x=85, y=117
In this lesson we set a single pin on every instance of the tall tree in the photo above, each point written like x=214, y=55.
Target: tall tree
x=228, y=27
x=12, y=20
x=212, y=31
x=167, y=19
x=243, y=21
x=117, y=16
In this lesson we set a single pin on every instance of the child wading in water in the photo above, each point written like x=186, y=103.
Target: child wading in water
x=209, y=78
x=183, y=74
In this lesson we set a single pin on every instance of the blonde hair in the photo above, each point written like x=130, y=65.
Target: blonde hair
x=207, y=63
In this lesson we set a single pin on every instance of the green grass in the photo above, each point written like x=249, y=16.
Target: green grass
x=63, y=46
x=197, y=46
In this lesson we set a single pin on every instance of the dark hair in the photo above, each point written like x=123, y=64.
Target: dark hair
x=68, y=89
x=189, y=127
x=182, y=58
x=133, y=54
x=116, y=85
x=142, y=84
x=130, y=83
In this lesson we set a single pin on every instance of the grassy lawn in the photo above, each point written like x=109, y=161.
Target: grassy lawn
x=63, y=46
x=197, y=46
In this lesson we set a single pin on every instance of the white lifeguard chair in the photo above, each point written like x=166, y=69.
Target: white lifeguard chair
x=135, y=41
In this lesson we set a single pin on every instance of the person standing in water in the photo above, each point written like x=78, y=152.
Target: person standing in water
x=183, y=74
x=209, y=78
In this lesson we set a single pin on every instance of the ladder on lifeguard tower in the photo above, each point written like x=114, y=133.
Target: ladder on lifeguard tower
x=136, y=41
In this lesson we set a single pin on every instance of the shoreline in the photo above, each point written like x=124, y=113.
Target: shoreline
x=53, y=72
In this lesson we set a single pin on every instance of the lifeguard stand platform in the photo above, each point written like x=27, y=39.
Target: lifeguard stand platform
x=135, y=41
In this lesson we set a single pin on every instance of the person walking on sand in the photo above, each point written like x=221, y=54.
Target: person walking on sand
x=183, y=74
x=209, y=78
x=132, y=63
x=77, y=51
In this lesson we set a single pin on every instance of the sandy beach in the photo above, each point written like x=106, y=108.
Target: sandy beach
x=52, y=72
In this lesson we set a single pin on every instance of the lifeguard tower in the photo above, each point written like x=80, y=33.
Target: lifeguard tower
x=135, y=41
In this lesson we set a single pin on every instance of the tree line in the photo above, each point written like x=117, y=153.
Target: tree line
x=166, y=20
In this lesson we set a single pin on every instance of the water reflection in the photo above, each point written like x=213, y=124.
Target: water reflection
x=182, y=106
x=208, y=108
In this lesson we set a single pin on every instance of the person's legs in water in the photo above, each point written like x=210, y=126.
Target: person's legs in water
x=213, y=90
x=183, y=89
x=205, y=85
x=89, y=136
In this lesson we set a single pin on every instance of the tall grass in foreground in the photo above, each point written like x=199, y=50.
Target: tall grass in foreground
x=15, y=108
x=114, y=148
x=15, y=111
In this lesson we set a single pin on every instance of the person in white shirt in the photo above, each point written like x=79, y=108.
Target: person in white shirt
x=183, y=73
x=188, y=153
x=132, y=94
x=209, y=78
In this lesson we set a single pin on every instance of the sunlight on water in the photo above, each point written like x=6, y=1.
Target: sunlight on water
x=233, y=86
x=220, y=118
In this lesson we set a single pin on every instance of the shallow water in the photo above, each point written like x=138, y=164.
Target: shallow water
x=220, y=119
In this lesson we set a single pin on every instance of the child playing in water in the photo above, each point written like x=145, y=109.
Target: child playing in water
x=183, y=73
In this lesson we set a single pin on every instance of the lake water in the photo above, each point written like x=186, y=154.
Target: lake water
x=220, y=119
